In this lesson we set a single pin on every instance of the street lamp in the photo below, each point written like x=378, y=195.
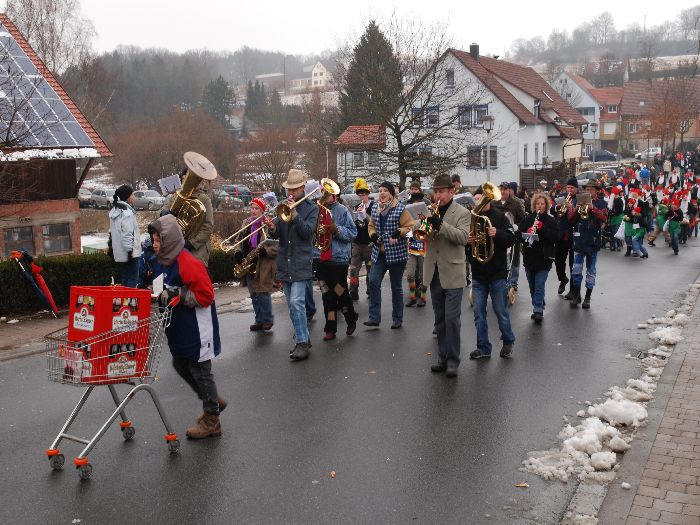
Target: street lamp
x=594, y=128
x=488, y=127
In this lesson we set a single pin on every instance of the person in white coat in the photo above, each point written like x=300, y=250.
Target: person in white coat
x=124, y=235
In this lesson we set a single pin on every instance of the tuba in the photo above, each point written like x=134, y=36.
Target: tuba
x=484, y=246
x=190, y=212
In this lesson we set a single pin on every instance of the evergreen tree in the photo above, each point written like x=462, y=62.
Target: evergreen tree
x=256, y=102
x=218, y=99
x=275, y=111
x=372, y=85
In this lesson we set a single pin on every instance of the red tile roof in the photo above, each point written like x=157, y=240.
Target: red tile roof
x=100, y=146
x=488, y=79
x=582, y=82
x=528, y=80
x=371, y=135
x=608, y=95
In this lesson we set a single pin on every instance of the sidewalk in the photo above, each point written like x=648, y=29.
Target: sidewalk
x=667, y=490
x=26, y=336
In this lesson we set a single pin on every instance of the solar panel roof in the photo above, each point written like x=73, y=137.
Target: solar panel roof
x=31, y=112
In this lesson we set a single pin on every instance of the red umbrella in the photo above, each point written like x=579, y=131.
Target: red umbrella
x=35, y=280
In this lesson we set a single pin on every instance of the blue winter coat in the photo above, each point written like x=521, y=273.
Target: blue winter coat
x=295, y=256
x=341, y=244
x=588, y=233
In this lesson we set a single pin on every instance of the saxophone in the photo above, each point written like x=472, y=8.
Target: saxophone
x=248, y=264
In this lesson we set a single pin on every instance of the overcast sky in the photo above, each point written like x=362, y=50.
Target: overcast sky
x=310, y=26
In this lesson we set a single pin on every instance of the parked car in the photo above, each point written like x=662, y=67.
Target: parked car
x=102, y=199
x=649, y=153
x=148, y=200
x=84, y=198
x=602, y=155
x=239, y=191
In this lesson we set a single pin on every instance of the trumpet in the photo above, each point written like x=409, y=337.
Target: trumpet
x=562, y=208
x=285, y=210
x=424, y=227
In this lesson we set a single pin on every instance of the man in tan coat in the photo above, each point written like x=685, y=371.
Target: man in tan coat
x=444, y=270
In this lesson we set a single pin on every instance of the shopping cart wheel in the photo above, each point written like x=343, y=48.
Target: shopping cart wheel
x=174, y=446
x=128, y=433
x=57, y=461
x=85, y=471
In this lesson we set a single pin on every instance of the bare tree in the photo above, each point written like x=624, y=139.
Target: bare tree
x=428, y=131
x=320, y=125
x=603, y=28
x=267, y=157
x=56, y=30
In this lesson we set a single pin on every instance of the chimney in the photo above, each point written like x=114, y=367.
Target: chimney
x=474, y=51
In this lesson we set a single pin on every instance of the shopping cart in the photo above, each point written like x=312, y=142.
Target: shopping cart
x=127, y=355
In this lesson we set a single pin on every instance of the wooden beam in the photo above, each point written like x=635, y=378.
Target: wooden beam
x=83, y=175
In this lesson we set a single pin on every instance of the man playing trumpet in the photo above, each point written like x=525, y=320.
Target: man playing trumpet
x=295, y=256
x=444, y=271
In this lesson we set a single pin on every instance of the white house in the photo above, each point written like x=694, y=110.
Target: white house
x=580, y=94
x=532, y=125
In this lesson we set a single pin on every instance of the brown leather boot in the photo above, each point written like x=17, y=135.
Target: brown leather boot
x=222, y=407
x=209, y=426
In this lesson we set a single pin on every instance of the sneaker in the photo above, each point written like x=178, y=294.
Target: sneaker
x=411, y=303
x=438, y=367
x=300, y=352
x=451, y=371
x=478, y=354
x=506, y=351
x=371, y=323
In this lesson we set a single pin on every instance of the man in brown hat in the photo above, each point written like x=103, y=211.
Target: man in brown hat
x=295, y=257
x=444, y=270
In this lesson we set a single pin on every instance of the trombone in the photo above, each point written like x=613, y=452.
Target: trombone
x=285, y=210
x=246, y=224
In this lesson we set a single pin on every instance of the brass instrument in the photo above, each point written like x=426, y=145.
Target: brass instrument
x=484, y=246
x=225, y=244
x=190, y=212
x=562, y=208
x=322, y=237
x=285, y=210
x=425, y=229
x=584, y=206
x=249, y=262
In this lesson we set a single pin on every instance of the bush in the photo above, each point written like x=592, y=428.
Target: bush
x=60, y=273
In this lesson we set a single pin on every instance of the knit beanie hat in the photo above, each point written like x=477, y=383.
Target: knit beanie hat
x=572, y=182
x=123, y=192
x=389, y=187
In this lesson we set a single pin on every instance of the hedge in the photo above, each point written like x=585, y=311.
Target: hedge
x=60, y=273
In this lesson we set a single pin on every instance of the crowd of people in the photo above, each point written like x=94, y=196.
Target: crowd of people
x=477, y=245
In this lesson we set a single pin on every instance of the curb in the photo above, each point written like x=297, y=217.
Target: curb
x=589, y=497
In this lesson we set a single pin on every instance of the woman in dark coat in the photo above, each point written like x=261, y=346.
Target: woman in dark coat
x=539, y=233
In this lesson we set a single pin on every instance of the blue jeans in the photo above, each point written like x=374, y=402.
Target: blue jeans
x=262, y=303
x=447, y=307
x=309, y=297
x=638, y=246
x=499, y=300
x=376, y=275
x=294, y=293
x=674, y=241
x=130, y=272
x=577, y=272
x=537, y=280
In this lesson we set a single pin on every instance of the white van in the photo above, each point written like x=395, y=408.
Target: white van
x=648, y=153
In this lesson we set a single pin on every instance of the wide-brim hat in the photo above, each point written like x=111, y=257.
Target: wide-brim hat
x=442, y=181
x=295, y=179
x=592, y=183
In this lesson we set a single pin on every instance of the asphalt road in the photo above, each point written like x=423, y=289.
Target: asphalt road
x=407, y=445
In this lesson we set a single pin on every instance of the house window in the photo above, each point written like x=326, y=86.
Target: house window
x=341, y=159
x=586, y=112
x=432, y=117
x=472, y=116
x=56, y=237
x=537, y=153
x=358, y=159
x=633, y=146
x=544, y=150
x=612, y=108
x=450, y=78
x=633, y=127
x=473, y=157
x=18, y=239
x=426, y=151
x=493, y=160
x=372, y=159
x=588, y=150
x=525, y=163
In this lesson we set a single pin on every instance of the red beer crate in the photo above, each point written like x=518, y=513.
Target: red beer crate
x=107, y=339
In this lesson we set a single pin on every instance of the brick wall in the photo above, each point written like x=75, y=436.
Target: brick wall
x=38, y=214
